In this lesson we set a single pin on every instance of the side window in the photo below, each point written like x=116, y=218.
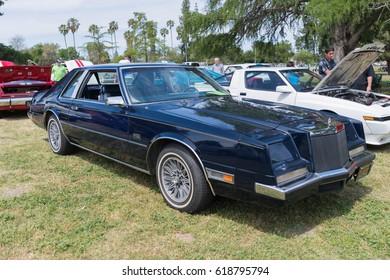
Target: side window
x=99, y=85
x=263, y=80
x=70, y=90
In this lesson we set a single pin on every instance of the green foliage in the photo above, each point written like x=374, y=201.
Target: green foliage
x=273, y=53
x=324, y=22
x=18, y=57
x=97, y=50
x=68, y=54
x=306, y=57
x=141, y=38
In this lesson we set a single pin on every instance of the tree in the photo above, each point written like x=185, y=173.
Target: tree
x=112, y=28
x=73, y=25
x=44, y=54
x=306, y=57
x=384, y=37
x=64, y=53
x=17, y=42
x=164, y=32
x=10, y=54
x=340, y=23
x=170, y=25
x=183, y=30
x=63, y=29
x=142, y=36
x=97, y=50
x=1, y=4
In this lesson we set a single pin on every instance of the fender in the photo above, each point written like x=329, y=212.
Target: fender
x=172, y=138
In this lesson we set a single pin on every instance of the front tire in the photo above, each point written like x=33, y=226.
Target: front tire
x=57, y=140
x=181, y=180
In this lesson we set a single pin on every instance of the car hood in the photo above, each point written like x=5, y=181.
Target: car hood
x=351, y=66
x=21, y=73
x=247, y=118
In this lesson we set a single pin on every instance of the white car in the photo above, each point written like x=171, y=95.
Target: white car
x=233, y=67
x=301, y=87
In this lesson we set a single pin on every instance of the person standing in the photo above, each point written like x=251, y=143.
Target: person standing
x=327, y=63
x=218, y=66
x=364, y=81
x=58, y=71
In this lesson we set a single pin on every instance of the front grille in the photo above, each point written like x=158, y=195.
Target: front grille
x=330, y=151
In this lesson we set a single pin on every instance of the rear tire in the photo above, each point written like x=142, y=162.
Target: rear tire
x=181, y=180
x=57, y=140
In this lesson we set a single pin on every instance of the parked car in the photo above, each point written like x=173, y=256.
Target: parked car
x=301, y=87
x=209, y=72
x=19, y=83
x=196, y=139
x=233, y=67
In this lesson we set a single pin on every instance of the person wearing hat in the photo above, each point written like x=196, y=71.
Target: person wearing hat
x=58, y=71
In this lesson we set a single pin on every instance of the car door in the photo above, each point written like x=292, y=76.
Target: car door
x=261, y=85
x=96, y=126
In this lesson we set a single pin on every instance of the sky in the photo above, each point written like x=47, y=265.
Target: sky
x=37, y=21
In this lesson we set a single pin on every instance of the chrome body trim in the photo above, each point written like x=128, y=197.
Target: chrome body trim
x=193, y=152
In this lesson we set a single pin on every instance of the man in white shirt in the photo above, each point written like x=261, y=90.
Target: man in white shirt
x=218, y=66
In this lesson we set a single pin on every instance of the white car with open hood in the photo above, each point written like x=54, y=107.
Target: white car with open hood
x=302, y=87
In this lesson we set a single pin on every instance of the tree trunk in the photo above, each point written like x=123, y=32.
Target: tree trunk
x=339, y=41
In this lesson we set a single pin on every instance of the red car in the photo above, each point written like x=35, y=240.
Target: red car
x=19, y=83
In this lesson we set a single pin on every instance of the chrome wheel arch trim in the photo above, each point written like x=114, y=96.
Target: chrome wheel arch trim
x=189, y=147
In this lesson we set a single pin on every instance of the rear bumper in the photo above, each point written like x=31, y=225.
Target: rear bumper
x=316, y=183
x=10, y=104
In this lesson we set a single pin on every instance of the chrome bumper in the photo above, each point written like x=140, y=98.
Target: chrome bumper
x=312, y=183
x=9, y=102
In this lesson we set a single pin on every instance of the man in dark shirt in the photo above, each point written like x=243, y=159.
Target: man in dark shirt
x=364, y=81
x=327, y=63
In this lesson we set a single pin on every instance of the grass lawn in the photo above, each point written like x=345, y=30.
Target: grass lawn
x=86, y=207
x=385, y=82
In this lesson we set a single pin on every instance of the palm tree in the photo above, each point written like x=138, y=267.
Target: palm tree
x=63, y=29
x=164, y=32
x=112, y=27
x=170, y=25
x=73, y=25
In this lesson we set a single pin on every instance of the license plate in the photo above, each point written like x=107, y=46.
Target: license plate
x=363, y=171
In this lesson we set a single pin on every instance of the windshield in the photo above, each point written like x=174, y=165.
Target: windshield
x=146, y=85
x=301, y=79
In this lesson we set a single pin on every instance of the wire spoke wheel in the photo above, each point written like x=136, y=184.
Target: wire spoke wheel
x=176, y=179
x=57, y=140
x=181, y=180
x=54, y=136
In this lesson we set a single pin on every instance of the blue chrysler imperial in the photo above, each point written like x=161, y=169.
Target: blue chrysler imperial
x=176, y=123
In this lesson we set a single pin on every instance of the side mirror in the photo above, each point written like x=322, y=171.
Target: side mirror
x=283, y=89
x=115, y=101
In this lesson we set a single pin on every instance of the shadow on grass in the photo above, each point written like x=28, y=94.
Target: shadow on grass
x=299, y=218
x=121, y=170
x=13, y=116
x=382, y=149
x=296, y=219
